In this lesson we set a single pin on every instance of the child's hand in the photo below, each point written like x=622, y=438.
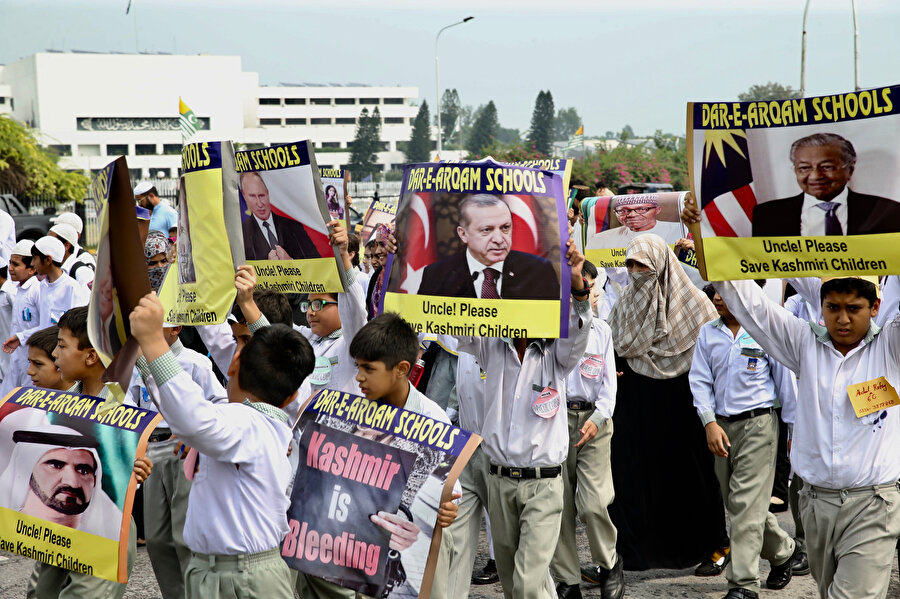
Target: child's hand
x=717, y=440
x=576, y=261
x=245, y=283
x=447, y=511
x=338, y=236
x=11, y=344
x=403, y=532
x=142, y=467
x=588, y=432
x=147, y=321
x=690, y=214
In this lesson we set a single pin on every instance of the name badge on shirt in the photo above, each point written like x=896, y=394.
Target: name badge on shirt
x=751, y=363
x=872, y=396
x=591, y=366
x=546, y=403
x=321, y=374
x=26, y=314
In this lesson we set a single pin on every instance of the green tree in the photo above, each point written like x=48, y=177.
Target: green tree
x=366, y=144
x=541, y=133
x=508, y=136
x=768, y=91
x=566, y=123
x=627, y=133
x=450, y=109
x=419, y=147
x=484, y=128
x=28, y=169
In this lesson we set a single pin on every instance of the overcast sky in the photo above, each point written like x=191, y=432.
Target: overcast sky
x=617, y=62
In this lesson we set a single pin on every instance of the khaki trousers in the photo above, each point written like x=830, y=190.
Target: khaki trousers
x=165, y=510
x=525, y=521
x=453, y=574
x=851, y=537
x=262, y=575
x=745, y=478
x=588, y=489
x=52, y=582
x=310, y=587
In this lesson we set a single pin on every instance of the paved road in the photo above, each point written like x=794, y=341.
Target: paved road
x=652, y=584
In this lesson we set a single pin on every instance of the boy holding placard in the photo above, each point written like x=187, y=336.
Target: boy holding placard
x=243, y=454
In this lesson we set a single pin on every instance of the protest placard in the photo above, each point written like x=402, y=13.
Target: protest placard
x=611, y=222
x=360, y=458
x=199, y=288
x=66, y=488
x=284, y=220
x=799, y=187
x=379, y=212
x=480, y=251
x=334, y=184
x=120, y=280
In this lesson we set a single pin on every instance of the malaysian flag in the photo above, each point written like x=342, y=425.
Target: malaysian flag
x=726, y=185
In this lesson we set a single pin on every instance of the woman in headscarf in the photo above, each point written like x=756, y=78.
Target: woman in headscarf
x=668, y=508
x=157, y=250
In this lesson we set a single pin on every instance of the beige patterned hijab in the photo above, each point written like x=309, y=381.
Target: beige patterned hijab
x=656, y=319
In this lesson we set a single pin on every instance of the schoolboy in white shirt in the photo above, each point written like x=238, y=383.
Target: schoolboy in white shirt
x=26, y=315
x=735, y=385
x=237, y=512
x=59, y=291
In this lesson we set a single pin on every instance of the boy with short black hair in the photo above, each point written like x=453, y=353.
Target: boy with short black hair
x=59, y=291
x=243, y=454
x=850, y=503
x=41, y=367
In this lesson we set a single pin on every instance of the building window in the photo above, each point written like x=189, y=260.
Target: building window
x=172, y=149
x=393, y=100
x=320, y=121
x=270, y=101
x=61, y=150
x=345, y=167
x=144, y=149
x=385, y=146
x=331, y=144
x=368, y=100
x=345, y=121
x=265, y=122
x=394, y=120
x=2, y=100
x=160, y=173
x=89, y=150
x=294, y=101
x=117, y=149
x=321, y=101
x=345, y=100
x=135, y=174
x=294, y=121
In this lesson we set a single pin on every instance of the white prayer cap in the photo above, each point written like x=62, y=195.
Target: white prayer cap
x=23, y=248
x=71, y=219
x=65, y=232
x=51, y=246
x=142, y=188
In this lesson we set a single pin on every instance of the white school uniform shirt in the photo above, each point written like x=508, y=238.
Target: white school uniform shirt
x=7, y=235
x=26, y=315
x=471, y=385
x=831, y=448
x=59, y=297
x=83, y=274
x=238, y=502
x=731, y=374
x=594, y=378
x=145, y=394
x=513, y=434
x=7, y=295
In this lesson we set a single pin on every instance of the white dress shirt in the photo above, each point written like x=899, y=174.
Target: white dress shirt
x=476, y=269
x=83, y=274
x=471, y=386
x=585, y=384
x=812, y=217
x=238, y=502
x=7, y=295
x=513, y=434
x=59, y=297
x=144, y=392
x=731, y=374
x=831, y=448
x=26, y=317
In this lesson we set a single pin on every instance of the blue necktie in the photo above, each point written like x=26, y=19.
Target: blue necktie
x=832, y=224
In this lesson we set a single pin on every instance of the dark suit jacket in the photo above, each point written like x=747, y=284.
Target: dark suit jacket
x=290, y=234
x=865, y=214
x=524, y=277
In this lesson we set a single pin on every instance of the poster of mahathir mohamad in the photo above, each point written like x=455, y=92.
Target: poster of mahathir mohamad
x=480, y=251
x=365, y=500
x=797, y=188
x=285, y=220
x=66, y=483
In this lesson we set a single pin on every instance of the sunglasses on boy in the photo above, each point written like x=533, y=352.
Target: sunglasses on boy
x=316, y=305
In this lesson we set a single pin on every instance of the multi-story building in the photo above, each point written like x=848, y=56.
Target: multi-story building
x=92, y=107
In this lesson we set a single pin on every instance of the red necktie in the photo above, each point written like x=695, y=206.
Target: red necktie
x=489, y=284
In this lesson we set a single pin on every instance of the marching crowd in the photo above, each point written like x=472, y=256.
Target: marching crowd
x=673, y=404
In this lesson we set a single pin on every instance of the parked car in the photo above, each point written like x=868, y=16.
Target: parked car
x=28, y=226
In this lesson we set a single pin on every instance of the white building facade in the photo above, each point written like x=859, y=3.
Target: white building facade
x=91, y=108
